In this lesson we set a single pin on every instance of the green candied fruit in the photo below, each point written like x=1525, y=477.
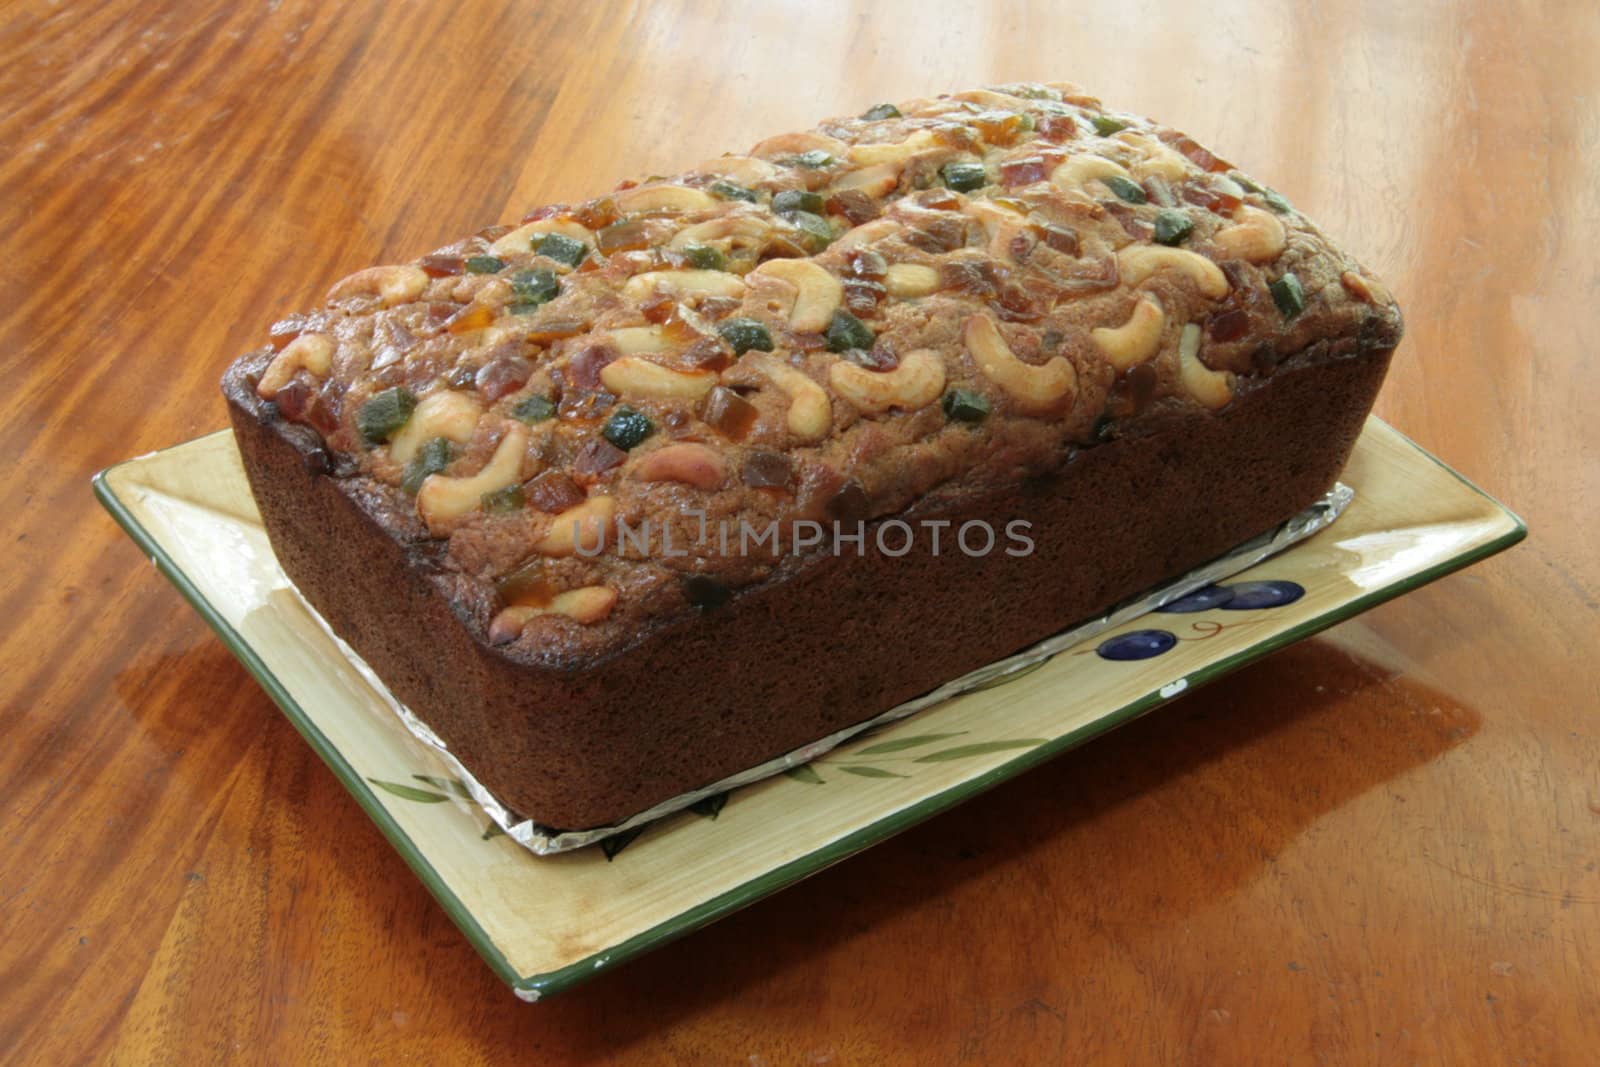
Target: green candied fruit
x=811, y=160
x=431, y=458
x=532, y=288
x=964, y=177
x=816, y=232
x=626, y=428
x=744, y=335
x=382, y=415
x=845, y=332
x=485, y=265
x=503, y=500
x=562, y=249
x=1288, y=295
x=724, y=190
x=797, y=200
x=534, y=409
x=965, y=405
x=1173, y=227
x=1105, y=125
x=1276, y=201
x=879, y=112
x=1131, y=191
x=704, y=257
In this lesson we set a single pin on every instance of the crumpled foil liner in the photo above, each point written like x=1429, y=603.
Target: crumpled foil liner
x=545, y=840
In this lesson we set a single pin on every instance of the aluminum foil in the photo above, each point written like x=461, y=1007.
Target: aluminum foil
x=545, y=840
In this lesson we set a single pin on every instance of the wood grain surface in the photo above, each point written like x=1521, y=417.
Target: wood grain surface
x=1379, y=846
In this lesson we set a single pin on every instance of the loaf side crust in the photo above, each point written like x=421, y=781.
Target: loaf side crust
x=581, y=745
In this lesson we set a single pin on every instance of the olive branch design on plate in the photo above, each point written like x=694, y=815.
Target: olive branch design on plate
x=896, y=751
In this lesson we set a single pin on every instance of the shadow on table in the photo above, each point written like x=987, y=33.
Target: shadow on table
x=1168, y=815
x=1171, y=813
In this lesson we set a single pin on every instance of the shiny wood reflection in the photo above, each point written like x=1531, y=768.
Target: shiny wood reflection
x=1376, y=847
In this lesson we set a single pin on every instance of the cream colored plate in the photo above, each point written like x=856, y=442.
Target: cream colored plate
x=545, y=923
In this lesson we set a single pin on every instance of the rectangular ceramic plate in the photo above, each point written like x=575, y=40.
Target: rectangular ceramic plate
x=546, y=923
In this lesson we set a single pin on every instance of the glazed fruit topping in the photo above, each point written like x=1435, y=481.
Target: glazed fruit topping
x=845, y=332
x=728, y=413
x=965, y=405
x=432, y=458
x=553, y=492
x=562, y=249
x=500, y=501
x=1288, y=295
x=1172, y=227
x=442, y=266
x=767, y=470
x=627, y=428
x=533, y=410
x=964, y=177
x=744, y=335
x=384, y=413
x=531, y=289
x=1131, y=191
x=726, y=190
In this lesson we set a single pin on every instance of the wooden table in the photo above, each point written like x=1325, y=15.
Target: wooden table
x=1379, y=846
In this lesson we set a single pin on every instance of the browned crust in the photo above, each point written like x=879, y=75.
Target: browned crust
x=576, y=745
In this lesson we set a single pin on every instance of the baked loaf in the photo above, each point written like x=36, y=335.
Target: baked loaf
x=652, y=488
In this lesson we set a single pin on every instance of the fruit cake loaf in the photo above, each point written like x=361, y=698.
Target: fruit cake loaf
x=654, y=487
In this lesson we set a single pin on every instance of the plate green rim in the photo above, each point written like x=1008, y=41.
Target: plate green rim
x=538, y=986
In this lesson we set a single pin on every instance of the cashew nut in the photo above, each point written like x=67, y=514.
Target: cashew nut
x=520, y=240
x=924, y=107
x=794, y=144
x=631, y=340
x=589, y=604
x=682, y=283
x=1001, y=223
x=1073, y=94
x=893, y=152
x=865, y=234
x=1037, y=390
x=1256, y=236
x=443, y=499
x=1156, y=158
x=1209, y=387
x=447, y=413
x=1138, y=262
x=819, y=293
x=746, y=170
x=1080, y=170
x=692, y=464
x=664, y=198
x=915, y=383
x=727, y=227
x=911, y=279
x=810, y=413
x=988, y=98
x=1369, y=290
x=1135, y=340
x=309, y=351
x=633, y=376
x=584, y=525
x=398, y=284
x=877, y=180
